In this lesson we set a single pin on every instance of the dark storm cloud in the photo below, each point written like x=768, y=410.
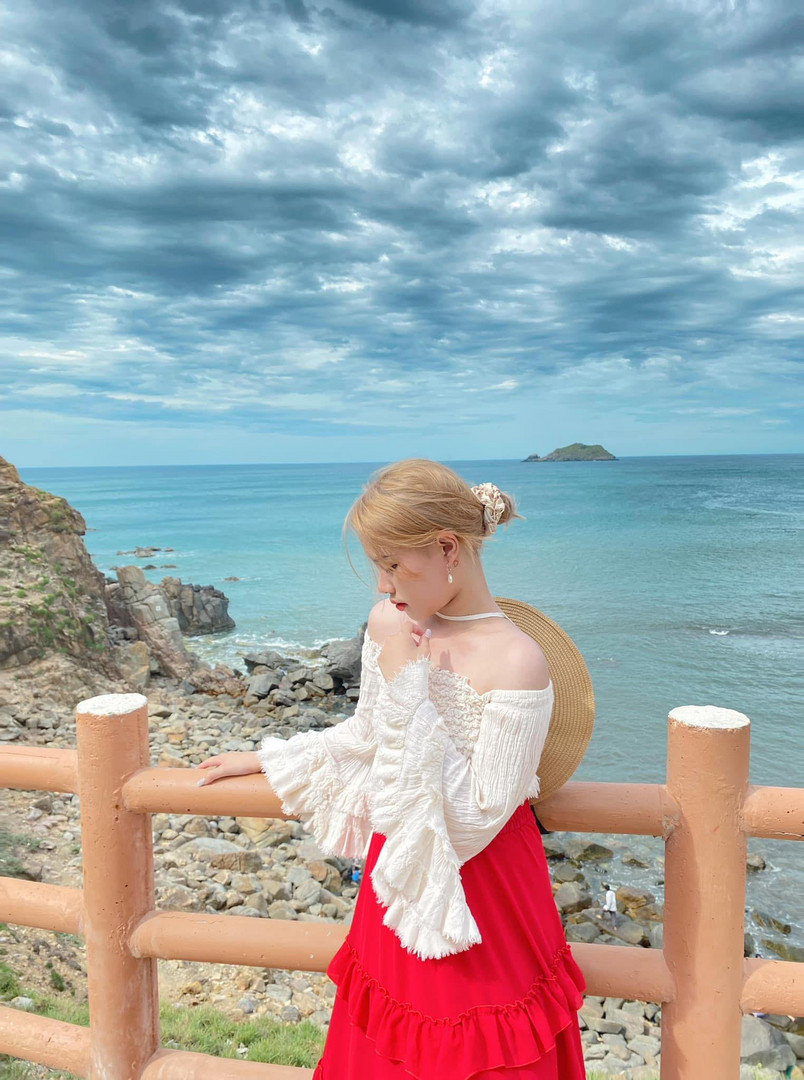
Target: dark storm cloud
x=291, y=210
x=424, y=12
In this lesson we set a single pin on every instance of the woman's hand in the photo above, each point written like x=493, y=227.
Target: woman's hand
x=232, y=763
x=409, y=643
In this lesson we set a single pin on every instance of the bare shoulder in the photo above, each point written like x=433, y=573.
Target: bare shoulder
x=383, y=620
x=521, y=663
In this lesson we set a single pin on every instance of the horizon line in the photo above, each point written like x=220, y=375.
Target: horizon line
x=518, y=461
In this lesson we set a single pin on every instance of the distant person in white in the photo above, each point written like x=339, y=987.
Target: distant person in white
x=611, y=901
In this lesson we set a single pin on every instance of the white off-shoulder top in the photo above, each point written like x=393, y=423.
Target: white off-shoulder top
x=434, y=766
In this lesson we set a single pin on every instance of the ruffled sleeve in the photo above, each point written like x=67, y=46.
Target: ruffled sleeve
x=438, y=808
x=322, y=777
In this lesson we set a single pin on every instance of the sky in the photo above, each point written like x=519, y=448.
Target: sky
x=360, y=230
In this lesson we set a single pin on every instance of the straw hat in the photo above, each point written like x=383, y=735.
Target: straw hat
x=574, y=708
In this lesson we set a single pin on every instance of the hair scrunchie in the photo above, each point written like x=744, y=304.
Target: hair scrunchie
x=493, y=504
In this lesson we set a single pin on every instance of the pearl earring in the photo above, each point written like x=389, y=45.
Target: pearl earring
x=449, y=577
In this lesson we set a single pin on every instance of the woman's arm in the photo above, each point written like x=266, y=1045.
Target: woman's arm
x=321, y=777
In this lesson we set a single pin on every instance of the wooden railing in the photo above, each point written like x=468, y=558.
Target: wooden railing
x=704, y=812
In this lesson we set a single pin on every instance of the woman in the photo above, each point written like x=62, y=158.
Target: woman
x=456, y=965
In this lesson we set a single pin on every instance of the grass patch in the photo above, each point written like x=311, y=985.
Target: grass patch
x=202, y=1029
x=9, y=986
x=10, y=864
x=208, y=1031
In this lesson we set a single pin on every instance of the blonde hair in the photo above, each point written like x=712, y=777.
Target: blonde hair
x=408, y=503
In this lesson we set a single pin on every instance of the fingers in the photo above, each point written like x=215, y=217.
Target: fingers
x=210, y=763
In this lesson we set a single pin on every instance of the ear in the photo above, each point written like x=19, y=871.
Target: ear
x=449, y=545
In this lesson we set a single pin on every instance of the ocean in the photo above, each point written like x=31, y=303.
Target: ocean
x=680, y=580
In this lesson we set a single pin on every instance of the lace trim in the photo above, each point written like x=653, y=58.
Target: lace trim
x=375, y=648
x=393, y=681
x=461, y=711
x=459, y=705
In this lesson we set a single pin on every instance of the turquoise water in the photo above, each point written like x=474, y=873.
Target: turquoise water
x=680, y=579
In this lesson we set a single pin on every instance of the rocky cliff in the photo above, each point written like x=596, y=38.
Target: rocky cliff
x=66, y=633
x=52, y=609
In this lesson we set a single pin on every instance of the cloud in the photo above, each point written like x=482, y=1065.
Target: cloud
x=300, y=213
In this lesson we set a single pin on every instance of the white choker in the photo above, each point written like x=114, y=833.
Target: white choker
x=481, y=615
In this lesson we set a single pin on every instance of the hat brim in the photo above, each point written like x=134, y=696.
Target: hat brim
x=573, y=717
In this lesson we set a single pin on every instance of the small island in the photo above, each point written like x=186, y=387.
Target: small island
x=576, y=451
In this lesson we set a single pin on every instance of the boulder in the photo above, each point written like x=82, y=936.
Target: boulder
x=579, y=849
x=260, y=686
x=785, y=951
x=134, y=661
x=770, y=922
x=344, y=658
x=198, y=609
x=762, y=1044
x=267, y=658
x=571, y=896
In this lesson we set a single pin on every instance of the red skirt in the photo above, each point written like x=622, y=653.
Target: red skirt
x=504, y=1009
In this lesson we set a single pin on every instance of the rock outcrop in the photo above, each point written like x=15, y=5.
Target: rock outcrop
x=51, y=594
x=199, y=609
x=138, y=603
x=144, y=613
x=576, y=452
x=68, y=634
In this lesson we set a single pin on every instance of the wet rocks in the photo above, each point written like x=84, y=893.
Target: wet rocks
x=581, y=849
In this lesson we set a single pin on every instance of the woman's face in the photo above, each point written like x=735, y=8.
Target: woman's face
x=415, y=578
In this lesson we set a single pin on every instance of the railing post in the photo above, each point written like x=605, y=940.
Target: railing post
x=112, y=743
x=707, y=775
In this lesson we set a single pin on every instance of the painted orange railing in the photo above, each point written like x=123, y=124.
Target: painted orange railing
x=704, y=812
